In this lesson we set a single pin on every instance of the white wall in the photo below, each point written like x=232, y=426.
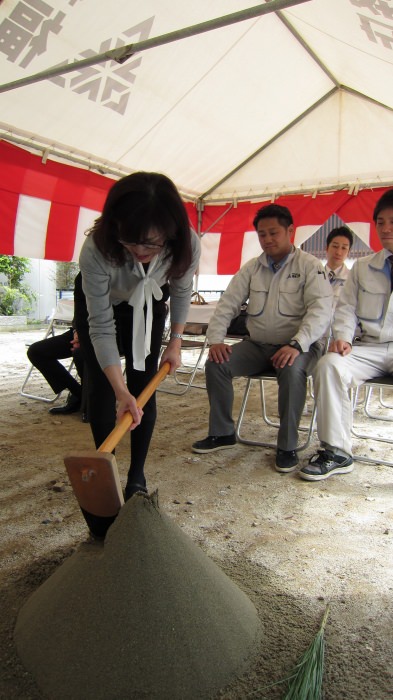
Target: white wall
x=42, y=280
x=213, y=284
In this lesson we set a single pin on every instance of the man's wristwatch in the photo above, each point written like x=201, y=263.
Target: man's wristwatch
x=295, y=344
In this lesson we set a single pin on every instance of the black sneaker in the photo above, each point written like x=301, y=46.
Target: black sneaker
x=324, y=464
x=213, y=443
x=286, y=461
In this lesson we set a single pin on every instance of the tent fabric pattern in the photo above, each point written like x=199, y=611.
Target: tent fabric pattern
x=46, y=209
x=295, y=100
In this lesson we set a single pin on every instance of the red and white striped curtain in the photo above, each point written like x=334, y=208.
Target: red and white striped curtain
x=46, y=209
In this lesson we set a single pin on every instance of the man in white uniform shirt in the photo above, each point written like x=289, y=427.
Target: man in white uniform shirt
x=338, y=244
x=366, y=300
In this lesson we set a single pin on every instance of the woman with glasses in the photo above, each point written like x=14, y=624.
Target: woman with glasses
x=139, y=252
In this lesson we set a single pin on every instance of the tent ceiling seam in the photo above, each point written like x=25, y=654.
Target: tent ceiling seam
x=122, y=54
x=338, y=88
x=311, y=190
x=366, y=98
x=307, y=48
x=268, y=143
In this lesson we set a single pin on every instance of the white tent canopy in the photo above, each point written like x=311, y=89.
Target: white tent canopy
x=296, y=100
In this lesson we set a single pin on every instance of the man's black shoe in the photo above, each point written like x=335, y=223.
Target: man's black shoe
x=286, y=461
x=213, y=443
x=72, y=405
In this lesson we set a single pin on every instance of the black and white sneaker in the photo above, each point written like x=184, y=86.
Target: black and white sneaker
x=324, y=464
x=213, y=443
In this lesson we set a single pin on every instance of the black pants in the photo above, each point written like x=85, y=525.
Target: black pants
x=45, y=355
x=101, y=397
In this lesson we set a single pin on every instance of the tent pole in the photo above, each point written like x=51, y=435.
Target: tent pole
x=200, y=207
x=224, y=213
x=123, y=53
x=272, y=140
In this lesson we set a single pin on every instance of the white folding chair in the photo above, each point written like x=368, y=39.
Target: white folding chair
x=61, y=320
x=382, y=383
x=193, y=348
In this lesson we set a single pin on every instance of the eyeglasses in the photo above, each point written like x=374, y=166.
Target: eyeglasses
x=147, y=246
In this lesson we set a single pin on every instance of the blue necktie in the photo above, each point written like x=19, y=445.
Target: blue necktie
x=390, y=258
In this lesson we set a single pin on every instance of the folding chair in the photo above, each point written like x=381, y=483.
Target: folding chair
x=381, y=383
x=262, y=378
x=61, y=320
x=196, y=344
x=193, y=347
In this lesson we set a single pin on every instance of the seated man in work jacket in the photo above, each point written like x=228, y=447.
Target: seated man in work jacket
x=361, y=349
x=289, y=311
x=338, y=244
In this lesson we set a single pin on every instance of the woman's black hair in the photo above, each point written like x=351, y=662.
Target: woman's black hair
x=134, y=206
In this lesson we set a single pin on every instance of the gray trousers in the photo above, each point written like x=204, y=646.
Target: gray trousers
x=249, y=358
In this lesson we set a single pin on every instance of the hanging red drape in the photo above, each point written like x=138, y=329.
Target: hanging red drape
x=44, y=206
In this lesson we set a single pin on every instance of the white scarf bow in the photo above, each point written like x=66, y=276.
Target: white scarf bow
x=145, y=290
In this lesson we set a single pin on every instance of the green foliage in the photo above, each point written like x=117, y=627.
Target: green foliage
x=16, y=298
x=14, y=269
x=14, y=302
x=65, y=274
x=305, y=681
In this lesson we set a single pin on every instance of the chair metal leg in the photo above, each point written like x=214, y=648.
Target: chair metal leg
x=355, y=432
x=368, y=387
x=381, y=400
x=44, y=399
x=367, y=411
x=35, y=396
x=191, y=372
x=308, y=429
x=371, y=460
x=364, y=436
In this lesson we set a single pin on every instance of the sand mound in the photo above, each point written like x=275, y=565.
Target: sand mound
x=148, y=615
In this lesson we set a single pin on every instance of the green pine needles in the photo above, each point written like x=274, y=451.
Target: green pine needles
x=305, y=681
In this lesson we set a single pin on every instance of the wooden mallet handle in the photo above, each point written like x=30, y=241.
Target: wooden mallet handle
x=126, y=420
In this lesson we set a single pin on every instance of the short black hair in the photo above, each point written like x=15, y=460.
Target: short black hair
x=274, y=211
x=384, y=202
x=340, y=231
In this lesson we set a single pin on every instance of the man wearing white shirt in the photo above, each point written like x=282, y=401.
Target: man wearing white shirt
x=366, y=300
x=338, y=244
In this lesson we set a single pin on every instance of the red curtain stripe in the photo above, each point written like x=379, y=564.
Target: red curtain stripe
x=69, y=188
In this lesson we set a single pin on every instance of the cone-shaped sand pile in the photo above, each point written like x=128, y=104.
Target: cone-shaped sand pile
x=149, y=615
